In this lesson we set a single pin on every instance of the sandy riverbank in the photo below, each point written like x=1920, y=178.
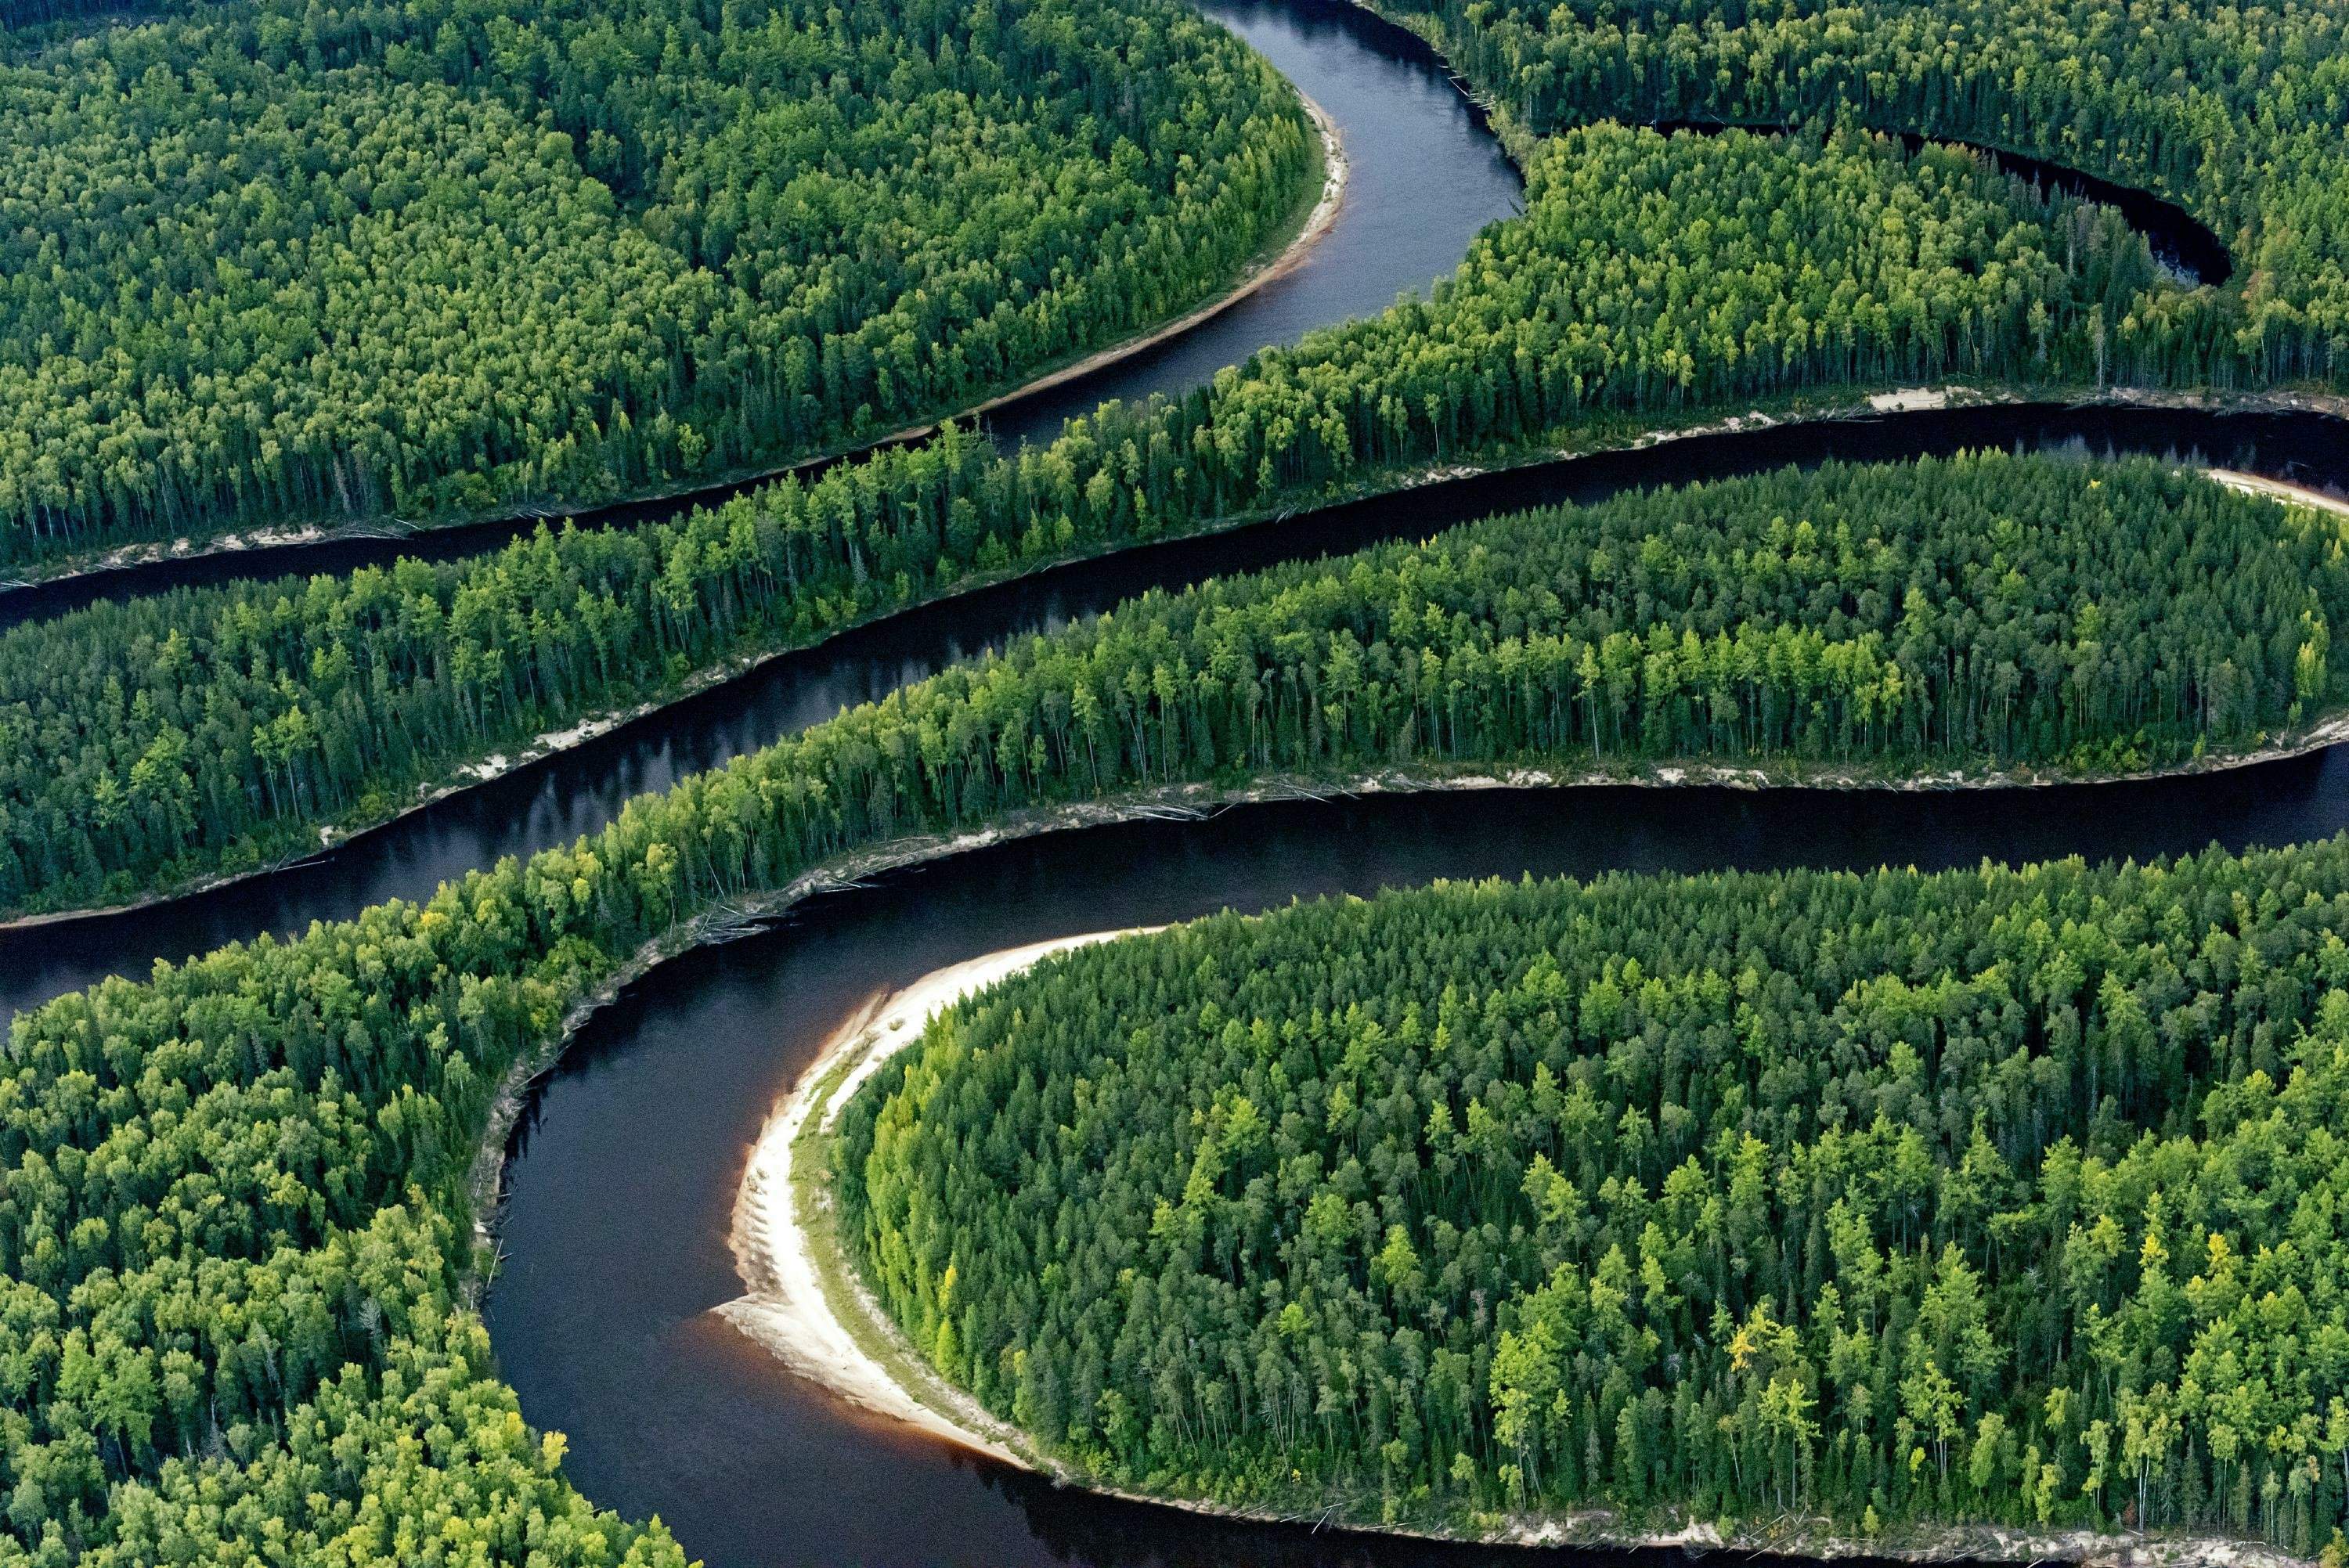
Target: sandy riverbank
x=1318, y=223
x=2281, y=490
x=786, y=1307
x=800, y=1311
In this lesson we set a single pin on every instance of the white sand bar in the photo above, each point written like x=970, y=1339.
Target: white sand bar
x=785, y=1305
x=2282, y=489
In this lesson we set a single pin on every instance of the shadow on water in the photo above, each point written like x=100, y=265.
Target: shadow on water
x=555, y=800
x=624, y=1174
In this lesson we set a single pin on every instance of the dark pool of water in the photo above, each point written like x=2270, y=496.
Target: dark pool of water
x=555, y=800
x=2178, y=237
x=625, y=1173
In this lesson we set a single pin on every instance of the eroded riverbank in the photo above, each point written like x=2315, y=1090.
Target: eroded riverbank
x=798, y=1301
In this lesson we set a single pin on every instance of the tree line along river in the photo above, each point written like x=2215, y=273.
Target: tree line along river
x=622, y=1189
x=576, y=791
x=624, y=1172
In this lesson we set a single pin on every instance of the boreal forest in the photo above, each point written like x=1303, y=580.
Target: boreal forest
x=267, y=264
x=1898, y=1182
x=2004, y=1194
x=1606, y=298
x=1987, y=612
x=2230, y=111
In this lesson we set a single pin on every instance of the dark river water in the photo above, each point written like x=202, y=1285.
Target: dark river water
x=576, y=791
x=624, y=1177
x=1424, y=175
x=555, y=800
x=625, y=1170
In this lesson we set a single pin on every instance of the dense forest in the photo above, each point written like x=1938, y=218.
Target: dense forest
x=2236, y=112
x=683, y=313
x=1984, y=613
x=1890, y=1199
x=1652, y=272
x=268, y=263
x=1893, y=1199
x=235, y=1197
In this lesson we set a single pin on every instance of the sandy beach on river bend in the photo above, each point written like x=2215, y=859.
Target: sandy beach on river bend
x=788, y=1310
x=785, y=1306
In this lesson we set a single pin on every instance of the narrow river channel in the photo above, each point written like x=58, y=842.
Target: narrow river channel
x=624, y=1172
x=577, y=792
x=1424, y=175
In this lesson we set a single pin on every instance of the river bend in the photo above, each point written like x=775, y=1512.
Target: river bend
x=1424, y=175
x=624, y=1168
x=556, y=799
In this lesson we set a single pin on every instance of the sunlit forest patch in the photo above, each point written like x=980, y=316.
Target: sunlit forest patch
x=1882, y=1201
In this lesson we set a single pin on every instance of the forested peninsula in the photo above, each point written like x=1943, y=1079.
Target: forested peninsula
x=268, y=265
x=1862, y=623
x=237, y=1220
x=2232, y=112
x=1798, y=1206
x=1874, y=1204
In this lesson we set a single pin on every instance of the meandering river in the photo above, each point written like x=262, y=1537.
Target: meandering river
x=576, y=791
x=625, y=1174
x=625, y=1169
x=1424, y=175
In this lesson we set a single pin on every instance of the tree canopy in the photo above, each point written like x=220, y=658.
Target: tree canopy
x=1652, y=276
x=1651, y=273
x=2235, y=112
x=1986, y=613
x=1891, y=1200
x=1895, y=1200
x=236, y=1205
x=269, y=263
